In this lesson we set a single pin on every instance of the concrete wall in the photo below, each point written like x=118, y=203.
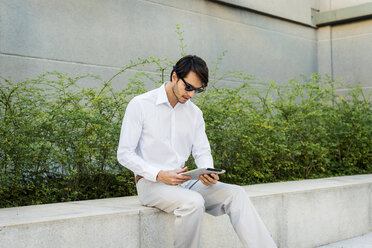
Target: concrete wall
x=298, y=214
x=293, y=10
x=344, y=51
x=101, y=36
x=272, y=40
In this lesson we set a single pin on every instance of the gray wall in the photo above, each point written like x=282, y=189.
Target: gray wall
x=81, y=36
x=295, y=10
x=345, y=51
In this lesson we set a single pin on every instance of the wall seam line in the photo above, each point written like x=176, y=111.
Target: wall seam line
x=245, y=24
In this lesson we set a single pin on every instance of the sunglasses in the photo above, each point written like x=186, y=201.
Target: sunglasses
x=189, y=87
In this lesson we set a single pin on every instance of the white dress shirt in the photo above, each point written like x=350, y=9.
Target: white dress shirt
x=154, y=136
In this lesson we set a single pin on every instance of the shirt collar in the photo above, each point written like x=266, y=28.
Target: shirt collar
x=162, y=95
x=163, y=98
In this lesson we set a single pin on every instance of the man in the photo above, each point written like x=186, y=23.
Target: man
x=160, y=129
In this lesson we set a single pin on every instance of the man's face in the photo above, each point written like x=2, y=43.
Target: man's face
x=179, y=91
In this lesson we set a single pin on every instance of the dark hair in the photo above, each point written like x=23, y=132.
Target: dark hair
x=191, y=63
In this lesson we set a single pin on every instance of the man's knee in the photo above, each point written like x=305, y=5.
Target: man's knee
x=234, y=190
x=196, y=202
x=237, y=193
x=239, y=190
x=191, y=205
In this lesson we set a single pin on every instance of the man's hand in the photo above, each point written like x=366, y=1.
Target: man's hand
x=209, y=179
x=173, y=177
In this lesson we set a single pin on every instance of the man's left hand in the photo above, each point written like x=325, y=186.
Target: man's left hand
x=209, y=179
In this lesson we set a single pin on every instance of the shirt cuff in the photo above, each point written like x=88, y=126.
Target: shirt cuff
x=151, y=174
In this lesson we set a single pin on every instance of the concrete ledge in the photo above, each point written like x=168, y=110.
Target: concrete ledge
x=306, y=213
x=295, y=11
x=343, y=15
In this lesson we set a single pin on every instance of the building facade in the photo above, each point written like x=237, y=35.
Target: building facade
x=272, y=40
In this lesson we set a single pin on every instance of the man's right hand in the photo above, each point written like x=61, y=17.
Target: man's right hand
x=173, y=177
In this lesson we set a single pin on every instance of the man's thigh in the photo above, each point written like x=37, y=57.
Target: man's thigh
x=166, y=197
x=218, y=196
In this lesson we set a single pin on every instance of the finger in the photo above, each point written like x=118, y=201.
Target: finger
x=183, y=177
x=209, y=178
x=180, y=180
x=215, y=176
x=176, y=182
x=202, y=179
x=181, y=170
x=205, y=180
x=207, y=183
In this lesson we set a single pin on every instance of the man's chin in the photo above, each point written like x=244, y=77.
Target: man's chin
x=182, y=99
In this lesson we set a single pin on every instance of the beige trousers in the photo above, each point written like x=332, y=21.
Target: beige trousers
x=189, y=201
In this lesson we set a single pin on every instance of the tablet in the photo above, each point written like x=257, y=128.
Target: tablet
x=194, y=174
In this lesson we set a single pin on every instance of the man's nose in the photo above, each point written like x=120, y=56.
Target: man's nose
x=191, y=93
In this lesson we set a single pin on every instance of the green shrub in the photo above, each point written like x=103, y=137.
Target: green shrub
x=266, y=132
x=58, y=141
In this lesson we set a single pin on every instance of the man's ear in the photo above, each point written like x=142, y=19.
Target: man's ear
x=174, y=76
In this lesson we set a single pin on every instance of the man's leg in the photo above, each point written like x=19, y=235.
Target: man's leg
x=186, y=205
x=231, y=199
